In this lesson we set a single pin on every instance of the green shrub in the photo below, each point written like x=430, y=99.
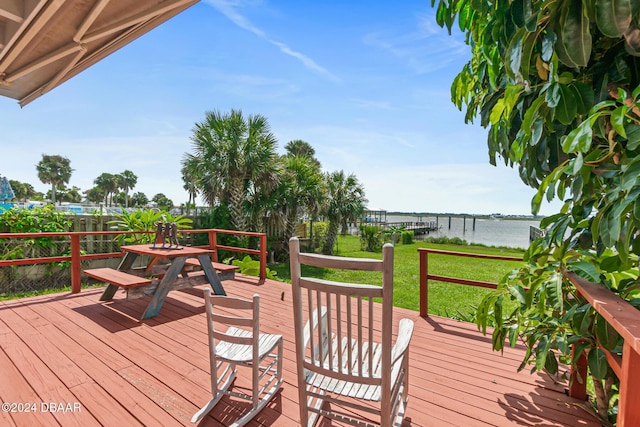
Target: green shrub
x=251, y=267
x=447, y=241
x=371, y=238
x=407, y=237
x=319, y=234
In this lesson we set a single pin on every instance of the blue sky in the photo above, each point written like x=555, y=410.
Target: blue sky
x=366, y=83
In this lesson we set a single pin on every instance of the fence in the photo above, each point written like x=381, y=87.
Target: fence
x=66, y=254
x=620, y=314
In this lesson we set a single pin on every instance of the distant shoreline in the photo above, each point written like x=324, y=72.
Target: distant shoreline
x=463, y=215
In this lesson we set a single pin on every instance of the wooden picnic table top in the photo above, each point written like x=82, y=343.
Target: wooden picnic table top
x=159, y=251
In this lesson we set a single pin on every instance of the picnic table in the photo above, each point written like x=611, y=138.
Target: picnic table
x=156, y=278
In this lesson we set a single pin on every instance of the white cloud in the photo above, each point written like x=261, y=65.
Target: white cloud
x=230, y=10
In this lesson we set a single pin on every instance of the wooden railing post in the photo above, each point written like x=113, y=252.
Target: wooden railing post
x=263, y=258
x=76, y=269
x=628, y=408
x=213, y=244
x=578, y=377
x=424, y=283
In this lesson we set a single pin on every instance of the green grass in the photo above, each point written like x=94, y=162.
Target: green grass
x=445, y=299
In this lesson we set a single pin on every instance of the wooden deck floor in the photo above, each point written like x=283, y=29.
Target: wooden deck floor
x=97, y=364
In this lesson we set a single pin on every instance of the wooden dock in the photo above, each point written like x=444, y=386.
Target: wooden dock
x=76, y=361
x=418, y=227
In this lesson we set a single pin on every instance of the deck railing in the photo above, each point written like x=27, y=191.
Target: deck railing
x=75, y=257
x=621, y=315
x=425, y=276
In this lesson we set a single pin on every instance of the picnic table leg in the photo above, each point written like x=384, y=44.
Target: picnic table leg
x=210, y=273
x=164, y=287
x=125, y=264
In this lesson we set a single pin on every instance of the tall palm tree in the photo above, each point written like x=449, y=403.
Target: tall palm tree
x=127, y=180
x=302, y=148
x=55, y=170
x=108, y=183
x=303, y=191
x=346, y=201
x=189, y=179
x=234, y=161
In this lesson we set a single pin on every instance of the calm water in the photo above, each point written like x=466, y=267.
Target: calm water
x=491, y=232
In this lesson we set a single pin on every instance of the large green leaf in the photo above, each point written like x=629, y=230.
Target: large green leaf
x=583, y=95
x=579, y=139
x=633, y=137
x=597, y=361
x=567, y=107
x=553, y=287
x=575, y=34
x=607, y=336
x=617, y=120
x=541, y=352
x=613, y=16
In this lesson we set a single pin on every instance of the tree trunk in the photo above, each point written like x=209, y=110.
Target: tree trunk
x=332, y=233
x=236, y=197
x=53, y=192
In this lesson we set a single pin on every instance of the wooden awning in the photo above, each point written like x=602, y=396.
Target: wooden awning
x=43, y=43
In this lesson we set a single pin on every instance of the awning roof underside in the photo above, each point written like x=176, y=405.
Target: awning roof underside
x=43, y=43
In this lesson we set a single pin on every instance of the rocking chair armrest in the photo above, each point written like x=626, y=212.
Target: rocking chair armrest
x=405, y=332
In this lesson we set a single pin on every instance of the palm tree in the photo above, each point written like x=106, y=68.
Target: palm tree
x=302, y=148
x=55, y=170
x=303, y=191
x=234, y=161
x=346, y=201
x=127, y=180
x=108, y=183
x=189, y=178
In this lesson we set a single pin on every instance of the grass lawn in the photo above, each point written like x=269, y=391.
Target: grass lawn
x=445, y=299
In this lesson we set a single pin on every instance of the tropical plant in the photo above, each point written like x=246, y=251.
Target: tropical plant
x=127, y=180
x=345, y=202
x=55, y=170
x=251, y=267
x=144, y=220
x=371, y=238
x=557, y=82
x=233, y=161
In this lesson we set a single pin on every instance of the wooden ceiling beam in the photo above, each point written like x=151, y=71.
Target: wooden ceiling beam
x=13, y=10
x=130, y=21
x=27, y=32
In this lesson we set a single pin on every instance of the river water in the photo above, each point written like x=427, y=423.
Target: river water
x=512, y=233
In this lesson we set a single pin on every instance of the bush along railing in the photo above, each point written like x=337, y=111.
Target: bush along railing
x=624, y=318
x=619, y=352
x=78, y=247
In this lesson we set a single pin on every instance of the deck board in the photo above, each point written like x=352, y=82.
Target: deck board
x=126, y=371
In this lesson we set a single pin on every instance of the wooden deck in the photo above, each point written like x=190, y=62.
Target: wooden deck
x=97, y=364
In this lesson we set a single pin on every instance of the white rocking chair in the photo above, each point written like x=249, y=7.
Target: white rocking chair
x=348, y=368
x=241, y=344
